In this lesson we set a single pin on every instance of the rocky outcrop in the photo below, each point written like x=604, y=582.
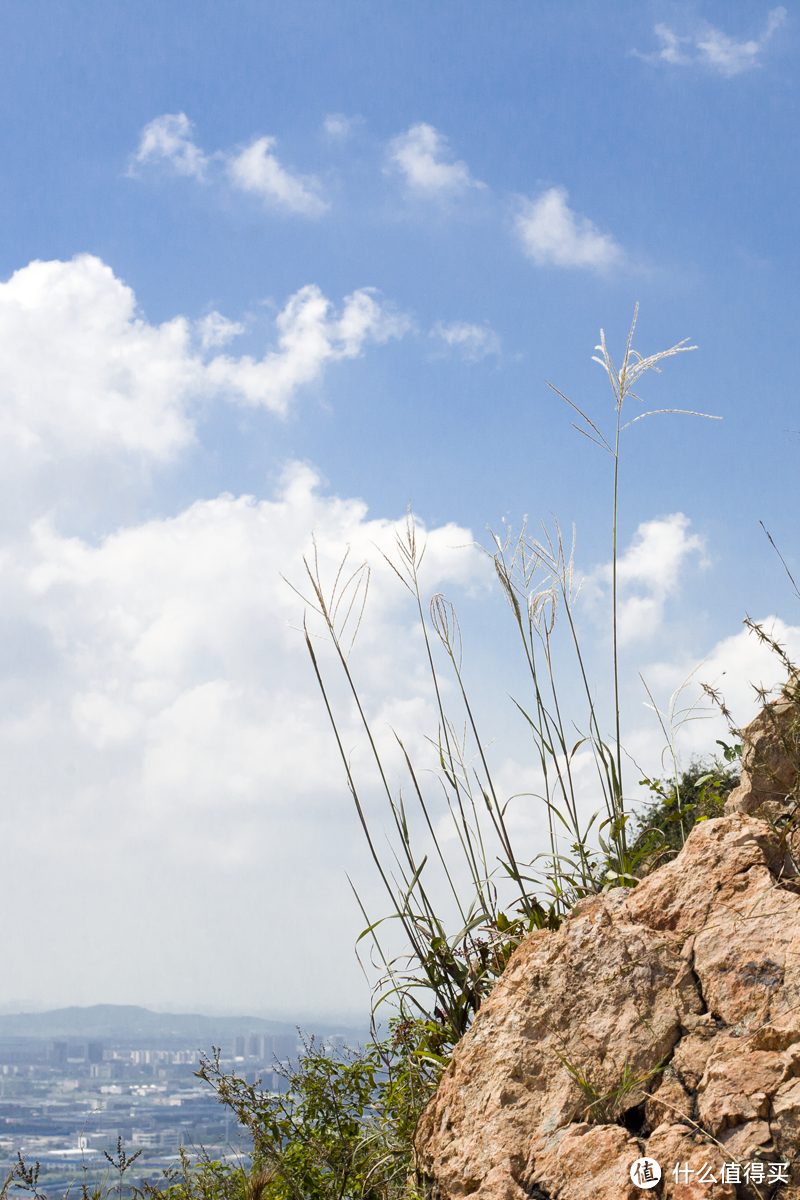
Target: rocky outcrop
x=770, y=757
x=661, y=1021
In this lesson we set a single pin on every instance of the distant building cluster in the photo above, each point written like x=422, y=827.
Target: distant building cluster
x=64, y=1102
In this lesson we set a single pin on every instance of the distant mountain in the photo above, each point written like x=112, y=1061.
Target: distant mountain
x=131, y=1023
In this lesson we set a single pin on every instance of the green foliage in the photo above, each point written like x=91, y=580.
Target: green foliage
x=605, y=1107
x=206, y=1178
x=344, y=1127
x=697, y=794
x=203, y=1178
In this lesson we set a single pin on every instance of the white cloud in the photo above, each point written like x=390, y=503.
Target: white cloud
x=422, y=155
x=734, y=666
x=85, y=375
x=648, y=573
x=337, y=125
x=169, y=139
x=714, y=49
x=552, y=234
x=164, y=746
x=670, y=51
x=216, y=330
x=472, y=342
x=257, y=170
x=309, y=338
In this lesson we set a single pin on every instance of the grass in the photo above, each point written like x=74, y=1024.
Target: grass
x=495, y=888
x=600, y=1107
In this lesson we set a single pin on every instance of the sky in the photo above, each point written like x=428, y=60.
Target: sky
x=273, y=276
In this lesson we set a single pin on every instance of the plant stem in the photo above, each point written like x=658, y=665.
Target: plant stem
x=617, y=799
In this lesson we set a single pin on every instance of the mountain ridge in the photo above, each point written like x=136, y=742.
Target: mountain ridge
x=124, y=1022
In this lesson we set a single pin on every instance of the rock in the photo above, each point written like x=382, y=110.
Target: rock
x=770, y=757
x=582, y=1161
x=671, y=1145
x=660, y=1021
x=670, y=1099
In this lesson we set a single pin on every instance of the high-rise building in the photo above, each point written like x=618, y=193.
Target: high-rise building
x=94, y=1052
x=57, y=1053
x=238, y=1047
x=284, y=1045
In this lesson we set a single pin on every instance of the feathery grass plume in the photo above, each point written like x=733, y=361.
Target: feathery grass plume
x=623, y=382
x=442, y=976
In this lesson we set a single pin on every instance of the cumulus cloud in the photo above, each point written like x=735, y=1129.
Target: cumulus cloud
x=85, y=374
x=309, y=337
x=168, y=139
x=552, y=234
x=710, y=47
x=736, y=665
x=216, y=330
x=648, y=573
x=162, y=736
x=472, y=342
x=423, y=156
x=256, y=169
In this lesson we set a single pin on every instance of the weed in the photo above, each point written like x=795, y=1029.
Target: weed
x=607, y=1107
x=677, y=804
x=344, y=1126
x=443, y=976
x=121, y=1163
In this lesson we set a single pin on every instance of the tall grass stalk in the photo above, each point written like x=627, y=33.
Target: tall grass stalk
x=442, y=977
x=623, y=382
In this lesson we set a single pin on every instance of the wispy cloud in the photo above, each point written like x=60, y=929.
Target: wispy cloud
x=169, y=139
x=472, y=342
x=552, y=234
x=422, y=154
x=337, y=125
x=710, y=47
x=256, y=169
x=216, y=330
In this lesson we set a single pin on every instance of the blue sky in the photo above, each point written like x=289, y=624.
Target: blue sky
x=327, y=256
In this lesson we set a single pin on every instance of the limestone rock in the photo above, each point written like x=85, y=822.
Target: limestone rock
x=662, y=1021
